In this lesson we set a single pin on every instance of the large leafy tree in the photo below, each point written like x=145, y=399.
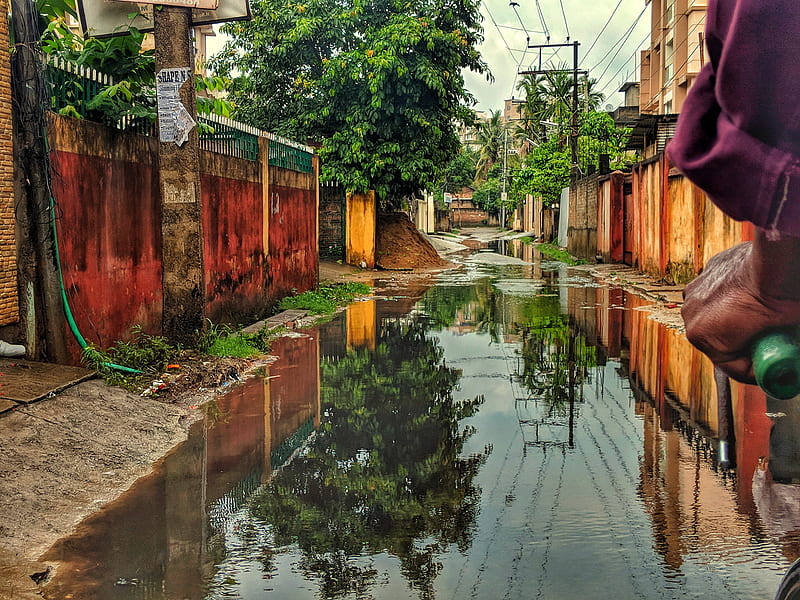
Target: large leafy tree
x=378, y=85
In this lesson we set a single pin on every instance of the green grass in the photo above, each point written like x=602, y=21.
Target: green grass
x=559, y=254
x=326, y=299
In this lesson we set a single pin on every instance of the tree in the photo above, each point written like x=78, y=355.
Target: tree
x=546, y=173
x=489, y=135
x=459, y=172
x=378, y=85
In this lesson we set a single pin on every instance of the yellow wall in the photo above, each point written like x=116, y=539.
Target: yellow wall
x=361, y=240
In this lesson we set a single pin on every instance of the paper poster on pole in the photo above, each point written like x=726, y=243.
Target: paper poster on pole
x=174, y=121
x=106, y=18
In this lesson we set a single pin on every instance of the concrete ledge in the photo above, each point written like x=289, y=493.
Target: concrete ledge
x=287, y=319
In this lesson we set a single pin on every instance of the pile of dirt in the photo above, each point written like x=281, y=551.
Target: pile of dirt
x=402, y=247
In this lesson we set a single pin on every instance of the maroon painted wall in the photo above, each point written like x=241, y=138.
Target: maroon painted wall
x=110, y=245
x=233, y=235
x=293, y=259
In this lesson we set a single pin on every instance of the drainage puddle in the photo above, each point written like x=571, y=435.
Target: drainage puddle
x=521, y=432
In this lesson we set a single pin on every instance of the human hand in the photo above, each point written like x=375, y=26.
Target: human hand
x=742, y=293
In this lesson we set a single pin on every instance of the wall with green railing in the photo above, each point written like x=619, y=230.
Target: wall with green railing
x=75, y=85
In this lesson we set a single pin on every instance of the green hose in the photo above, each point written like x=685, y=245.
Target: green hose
x=67, y=311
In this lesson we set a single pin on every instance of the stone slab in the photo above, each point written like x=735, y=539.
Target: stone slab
x=282, y=319
x=25, y=381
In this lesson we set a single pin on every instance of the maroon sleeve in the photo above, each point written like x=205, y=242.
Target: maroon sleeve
x=738, y=135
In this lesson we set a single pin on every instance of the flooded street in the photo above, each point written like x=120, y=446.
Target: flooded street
x=520, y=431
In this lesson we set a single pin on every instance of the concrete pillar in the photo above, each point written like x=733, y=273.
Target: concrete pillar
x=179, y=168
x=361, y=235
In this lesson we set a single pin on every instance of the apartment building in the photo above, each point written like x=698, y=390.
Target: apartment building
x=676, y=53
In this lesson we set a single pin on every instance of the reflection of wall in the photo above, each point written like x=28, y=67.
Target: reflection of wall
x=361, y=325
x=671, y=381
x=160, y=532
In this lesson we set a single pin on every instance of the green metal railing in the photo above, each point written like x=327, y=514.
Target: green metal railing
x=282, y=453
x=224, y=136
x=73, y=85
x=288, y=155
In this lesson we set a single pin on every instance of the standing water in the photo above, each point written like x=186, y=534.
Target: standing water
x=518, y=432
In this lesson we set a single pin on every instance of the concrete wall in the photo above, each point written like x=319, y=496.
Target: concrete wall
x=109, y=230
x=653, y=219
x=293, y=251
x=362, y=223
x=9, y=305
x=259, y=228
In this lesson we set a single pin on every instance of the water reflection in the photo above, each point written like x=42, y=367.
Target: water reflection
x=164, y=538
x=520, y=432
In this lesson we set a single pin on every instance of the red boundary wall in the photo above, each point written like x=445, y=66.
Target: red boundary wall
x=105, y=185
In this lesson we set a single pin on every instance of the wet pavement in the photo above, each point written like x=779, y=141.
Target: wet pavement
x=521, y=431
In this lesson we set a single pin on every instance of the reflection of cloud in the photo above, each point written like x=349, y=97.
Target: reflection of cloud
x=778, y=504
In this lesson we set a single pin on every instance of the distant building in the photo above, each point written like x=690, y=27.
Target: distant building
x=512, y=109
x=467, y=134
x=675, y=56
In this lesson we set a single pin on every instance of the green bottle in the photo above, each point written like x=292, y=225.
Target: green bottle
x=776, y=364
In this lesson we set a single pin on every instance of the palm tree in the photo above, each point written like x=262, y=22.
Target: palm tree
x=489, y=135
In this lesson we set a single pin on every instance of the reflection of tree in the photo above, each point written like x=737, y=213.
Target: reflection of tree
x=384, y=473
x=555, y=361
x=475, y=304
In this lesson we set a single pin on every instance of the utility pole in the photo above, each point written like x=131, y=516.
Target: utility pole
x=504, y=195
x=183, y=278
x=573, y=137
x=40, y=287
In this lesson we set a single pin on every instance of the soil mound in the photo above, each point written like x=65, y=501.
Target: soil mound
x=401, y=246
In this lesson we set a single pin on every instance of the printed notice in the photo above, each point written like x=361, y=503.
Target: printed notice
x=174, y=121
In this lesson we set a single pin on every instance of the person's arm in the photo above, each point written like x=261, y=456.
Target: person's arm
x=743, y=292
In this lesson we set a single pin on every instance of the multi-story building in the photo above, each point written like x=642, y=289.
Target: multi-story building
x=467, y=134
x=675, y=56
x=512, y=109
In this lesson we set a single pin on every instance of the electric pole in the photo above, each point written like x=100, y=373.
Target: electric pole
x=183, y=278
x=573, y=136
x=40, y=287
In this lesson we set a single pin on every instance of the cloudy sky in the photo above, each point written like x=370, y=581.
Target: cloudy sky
x=610, y=34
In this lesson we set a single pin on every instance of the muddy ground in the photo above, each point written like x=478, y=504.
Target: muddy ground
x=63, y=458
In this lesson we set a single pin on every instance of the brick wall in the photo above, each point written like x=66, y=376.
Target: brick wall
x=582, y=233
x=331, y=221
x=9, y=307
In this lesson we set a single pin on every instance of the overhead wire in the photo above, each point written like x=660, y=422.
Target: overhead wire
x=678, y=68
x=499, y=31
x=594, y=43
x=544, y=23
x=621, y=43
x=564, y=14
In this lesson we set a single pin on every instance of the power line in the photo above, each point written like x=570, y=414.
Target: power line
x=689, y=57
x=499, y=31
x=613, y=12
x=564, y=14
x=544, y=24
x=621, y=43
